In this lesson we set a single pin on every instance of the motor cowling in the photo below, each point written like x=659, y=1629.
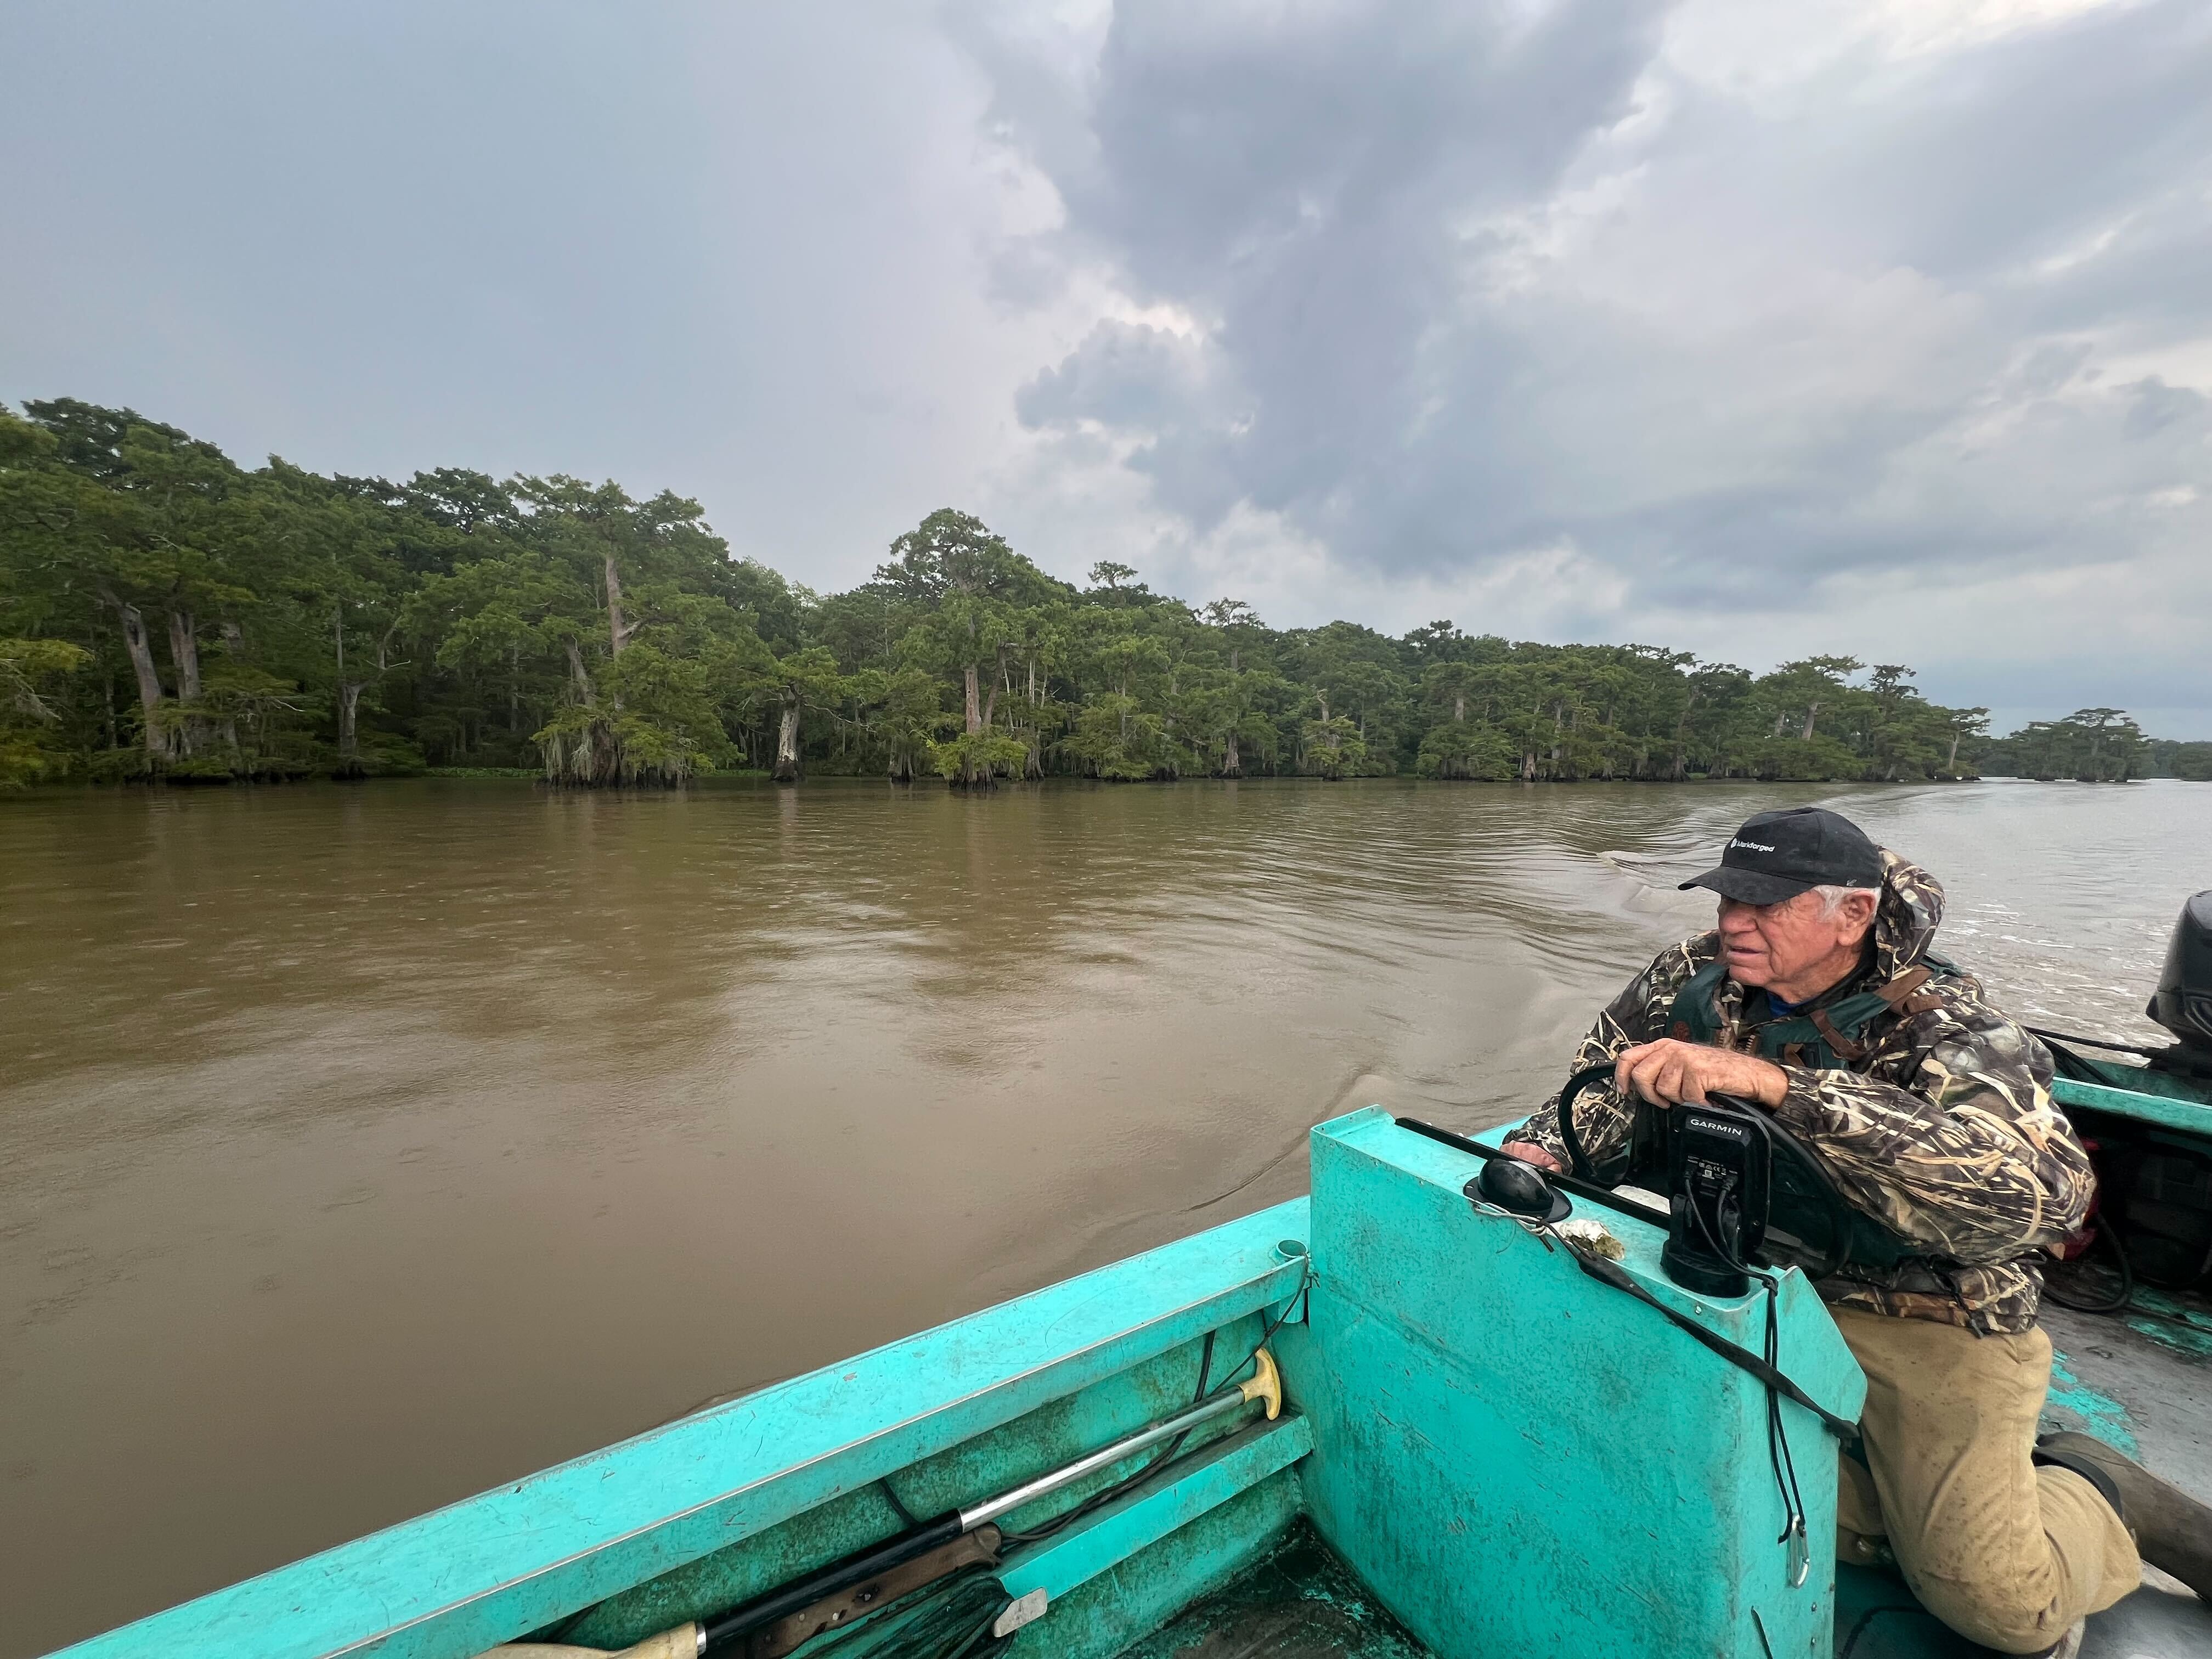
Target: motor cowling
x=2183, y=1003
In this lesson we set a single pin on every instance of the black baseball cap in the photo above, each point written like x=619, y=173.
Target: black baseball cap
x=1779, y=855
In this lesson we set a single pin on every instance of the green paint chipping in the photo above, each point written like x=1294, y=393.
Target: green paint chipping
x=2181, y=1325
x=2100, y=1415
x=2192, y=1312
x=2188, y=1339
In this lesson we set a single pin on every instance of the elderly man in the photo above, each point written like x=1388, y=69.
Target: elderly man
x=1816, y=998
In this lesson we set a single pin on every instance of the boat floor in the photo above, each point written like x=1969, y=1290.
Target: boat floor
x=2140, y=1381
x=1301, y=1602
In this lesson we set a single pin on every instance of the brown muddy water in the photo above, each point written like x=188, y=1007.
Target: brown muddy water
x=360, y=1148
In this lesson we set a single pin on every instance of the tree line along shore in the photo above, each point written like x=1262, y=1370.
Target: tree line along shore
x=168, y=616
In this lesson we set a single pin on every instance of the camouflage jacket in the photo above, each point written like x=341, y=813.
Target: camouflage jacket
x=1945, y=1129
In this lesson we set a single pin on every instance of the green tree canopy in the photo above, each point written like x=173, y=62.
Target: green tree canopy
x=165, y=611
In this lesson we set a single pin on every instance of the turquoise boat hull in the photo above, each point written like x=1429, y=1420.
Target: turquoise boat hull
x=1502, y=1455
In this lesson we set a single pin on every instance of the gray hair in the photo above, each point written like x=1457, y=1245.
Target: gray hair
x=1832, y=897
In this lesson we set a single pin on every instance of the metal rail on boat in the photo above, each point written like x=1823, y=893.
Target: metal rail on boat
x=1265, y=1384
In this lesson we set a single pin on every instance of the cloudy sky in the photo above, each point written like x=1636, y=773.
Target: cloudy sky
x=1875, y=326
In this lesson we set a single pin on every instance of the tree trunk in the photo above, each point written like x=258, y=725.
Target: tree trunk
x=349, y=713
x=1951, y=760
x=788, y=770
x=1459, y=708
x=184, y=652
x=576, y=671
x=1681, y=765
x=149, y=678
x=618, y=631
x=233, y=647
x=513, y=689
x=974, y=706
x=1811, y=713
x=1232, y=764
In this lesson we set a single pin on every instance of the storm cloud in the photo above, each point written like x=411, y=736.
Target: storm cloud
x=1875, y=334
x=1877, y=329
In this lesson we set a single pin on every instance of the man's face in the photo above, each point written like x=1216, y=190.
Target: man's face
x=1776, y=944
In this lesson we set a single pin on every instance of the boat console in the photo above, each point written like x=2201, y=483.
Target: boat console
x=1518, y=1460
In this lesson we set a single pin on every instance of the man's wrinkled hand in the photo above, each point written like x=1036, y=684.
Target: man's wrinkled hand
x=1672, y=1073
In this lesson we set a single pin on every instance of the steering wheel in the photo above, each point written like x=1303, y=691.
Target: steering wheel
x=1810, y=1224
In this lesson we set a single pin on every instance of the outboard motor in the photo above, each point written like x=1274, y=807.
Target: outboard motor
x=2183, y=1003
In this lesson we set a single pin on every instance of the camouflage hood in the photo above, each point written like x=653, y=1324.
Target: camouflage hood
x=1905, y=920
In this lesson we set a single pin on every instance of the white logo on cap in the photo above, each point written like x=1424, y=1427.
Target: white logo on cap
x=1751, y=845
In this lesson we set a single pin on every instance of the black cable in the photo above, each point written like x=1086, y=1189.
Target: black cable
x=1577, y=1159
x=1612, y=1274
x=967, y=1640
x=1778, y=1436
x=1204, y=1371
x=1160, y=1459
x=2054, y=1285
x=1595, y=1192
x=2092, y=1042
x=906, y=1516
x=560, y=1633
x=744, y=1620
x=842, y=1574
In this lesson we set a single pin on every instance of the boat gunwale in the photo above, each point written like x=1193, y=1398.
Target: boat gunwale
x=2155, y=1111
x=369, y=1594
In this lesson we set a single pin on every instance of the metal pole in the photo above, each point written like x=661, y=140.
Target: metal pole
x=1263, y=1385
x=992, y=1508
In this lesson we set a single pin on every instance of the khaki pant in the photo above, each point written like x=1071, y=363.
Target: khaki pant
x=2006, y=1554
